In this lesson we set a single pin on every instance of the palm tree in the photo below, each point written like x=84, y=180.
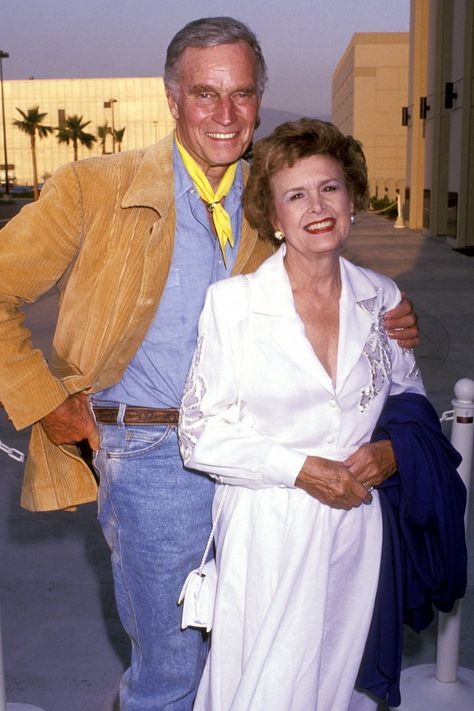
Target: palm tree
x=102, y=133
x=32, y=124
x=118, y=137
x=73, y=132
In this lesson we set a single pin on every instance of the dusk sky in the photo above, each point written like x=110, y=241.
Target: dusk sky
x=302, y=41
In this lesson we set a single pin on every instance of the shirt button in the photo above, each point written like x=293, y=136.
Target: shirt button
x=329, y=439
x=332, y=403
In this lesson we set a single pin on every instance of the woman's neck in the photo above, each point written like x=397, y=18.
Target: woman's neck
x=319, y=276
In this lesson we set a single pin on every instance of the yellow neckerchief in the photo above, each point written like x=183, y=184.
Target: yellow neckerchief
x=212, y=199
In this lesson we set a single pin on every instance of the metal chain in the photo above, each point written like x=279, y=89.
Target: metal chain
x=447, y=416
x=11, y=452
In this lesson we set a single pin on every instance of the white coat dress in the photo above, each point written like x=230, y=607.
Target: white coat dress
x=296, y=578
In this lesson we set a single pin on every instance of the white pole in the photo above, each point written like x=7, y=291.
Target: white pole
x=449, y=625
x=446, y=686
x=399, y=223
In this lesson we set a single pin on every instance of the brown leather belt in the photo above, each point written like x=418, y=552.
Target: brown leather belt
x=137, y=415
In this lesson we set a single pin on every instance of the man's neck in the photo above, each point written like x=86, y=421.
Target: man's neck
x=214, y=174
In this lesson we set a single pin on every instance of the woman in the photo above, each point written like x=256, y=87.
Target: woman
x=291, y=373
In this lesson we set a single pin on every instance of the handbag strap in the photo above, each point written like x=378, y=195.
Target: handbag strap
x=239, y=400
x=213, y=530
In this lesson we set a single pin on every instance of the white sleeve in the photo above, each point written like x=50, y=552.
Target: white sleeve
x=213, y=435
x=406, y=376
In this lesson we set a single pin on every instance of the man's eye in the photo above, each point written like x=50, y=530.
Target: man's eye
x=243, y=97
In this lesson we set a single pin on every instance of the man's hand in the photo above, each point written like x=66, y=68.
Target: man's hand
x=401, y=324
x=332, y=484
x=72, y=422
x=372, y=463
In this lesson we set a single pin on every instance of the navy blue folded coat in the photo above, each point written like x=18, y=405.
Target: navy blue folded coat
x=424, y=555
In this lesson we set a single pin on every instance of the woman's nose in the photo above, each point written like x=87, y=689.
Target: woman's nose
x=317, y=203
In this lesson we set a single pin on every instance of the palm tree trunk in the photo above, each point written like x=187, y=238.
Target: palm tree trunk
x=74, y=143
x=35, y=168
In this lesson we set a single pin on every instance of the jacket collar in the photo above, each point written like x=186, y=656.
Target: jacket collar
x=271, y=289
x=153, y=184
x=271, y=295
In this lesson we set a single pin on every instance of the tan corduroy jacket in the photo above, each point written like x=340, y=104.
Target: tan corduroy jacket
x=103, y=231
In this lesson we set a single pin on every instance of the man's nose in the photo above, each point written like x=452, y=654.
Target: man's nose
x=225, y=111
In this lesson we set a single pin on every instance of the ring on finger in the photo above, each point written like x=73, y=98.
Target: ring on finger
x=368, y=487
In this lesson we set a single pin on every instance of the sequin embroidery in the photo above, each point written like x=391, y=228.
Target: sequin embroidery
x=414, y=372
x=377, y=352
x=191, y=418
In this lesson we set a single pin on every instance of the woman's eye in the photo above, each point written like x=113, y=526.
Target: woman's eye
x=296, y=196
x=329, y=188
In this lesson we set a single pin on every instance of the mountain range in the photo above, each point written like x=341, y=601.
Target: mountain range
x=270, y=118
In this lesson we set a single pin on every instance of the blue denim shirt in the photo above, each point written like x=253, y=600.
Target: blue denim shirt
x=155, y=376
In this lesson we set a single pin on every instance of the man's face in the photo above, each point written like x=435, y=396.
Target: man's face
x=216, y=105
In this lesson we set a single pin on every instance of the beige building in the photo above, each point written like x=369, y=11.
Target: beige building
x=440, y=159
x=369, y=87
x=138, y=104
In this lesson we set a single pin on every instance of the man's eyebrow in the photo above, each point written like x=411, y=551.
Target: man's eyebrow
x=203, y=88
x=249, y=89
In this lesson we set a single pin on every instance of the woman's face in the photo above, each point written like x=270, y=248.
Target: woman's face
x=312, y=205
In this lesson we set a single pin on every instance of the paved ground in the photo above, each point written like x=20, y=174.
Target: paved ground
x=63, y=646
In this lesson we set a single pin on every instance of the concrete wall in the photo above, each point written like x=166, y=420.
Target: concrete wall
x=440, y=165
x=370, y=85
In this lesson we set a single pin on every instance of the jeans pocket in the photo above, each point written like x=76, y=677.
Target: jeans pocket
x=138, y=441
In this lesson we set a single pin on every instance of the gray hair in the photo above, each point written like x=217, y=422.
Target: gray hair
x=211, y=32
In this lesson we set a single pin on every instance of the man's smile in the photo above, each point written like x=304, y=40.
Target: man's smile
x=222, y=136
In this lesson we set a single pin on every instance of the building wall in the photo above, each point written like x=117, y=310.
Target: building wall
x=440, y=166
x=140, y=106
x=369, y=87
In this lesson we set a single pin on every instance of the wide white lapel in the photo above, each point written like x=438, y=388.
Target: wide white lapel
x=272, y=299
x=360, y=300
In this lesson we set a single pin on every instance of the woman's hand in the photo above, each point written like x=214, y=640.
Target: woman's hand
x=372, y=463
x=332, y=483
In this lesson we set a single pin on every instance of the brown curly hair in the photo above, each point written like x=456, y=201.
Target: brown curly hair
x=289, y=143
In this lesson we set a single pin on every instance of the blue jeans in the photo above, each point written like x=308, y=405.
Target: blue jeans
x=156, y=518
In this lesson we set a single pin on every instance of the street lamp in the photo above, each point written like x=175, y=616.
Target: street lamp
x=110, y=105
x=4, y=55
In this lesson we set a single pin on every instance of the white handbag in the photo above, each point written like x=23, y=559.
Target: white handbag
x=198, y=593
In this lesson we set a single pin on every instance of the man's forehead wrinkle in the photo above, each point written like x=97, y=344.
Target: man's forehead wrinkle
x=199, y=88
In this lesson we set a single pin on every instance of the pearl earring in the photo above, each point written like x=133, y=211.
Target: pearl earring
x=353, y=219
x=279, y=235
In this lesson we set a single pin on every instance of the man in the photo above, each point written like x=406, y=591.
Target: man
x=130, y=240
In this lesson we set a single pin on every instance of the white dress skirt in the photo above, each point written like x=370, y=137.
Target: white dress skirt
x=296, y=589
